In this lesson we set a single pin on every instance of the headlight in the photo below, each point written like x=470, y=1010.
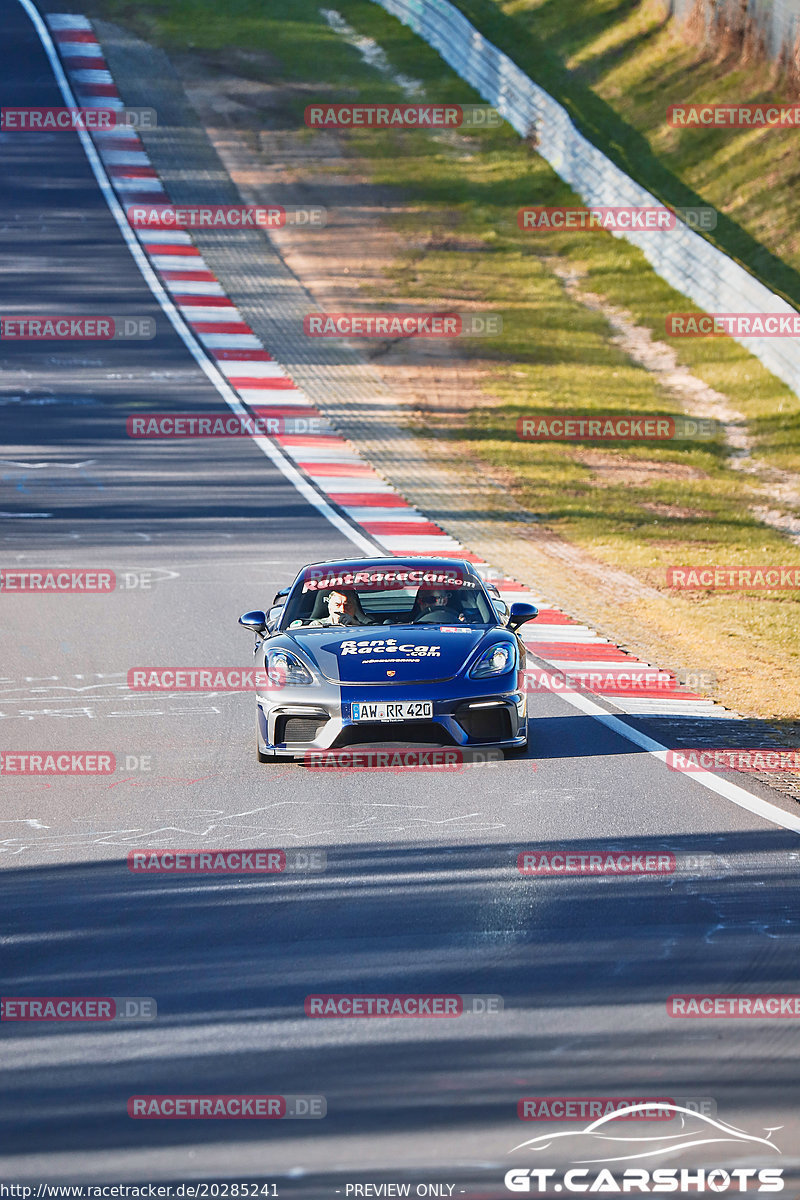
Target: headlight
x=284, y=668
x=494, y=661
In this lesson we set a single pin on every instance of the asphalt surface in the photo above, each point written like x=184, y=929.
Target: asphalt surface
x=421, y=891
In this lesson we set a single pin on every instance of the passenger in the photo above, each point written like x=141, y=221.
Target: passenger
x=437, y=606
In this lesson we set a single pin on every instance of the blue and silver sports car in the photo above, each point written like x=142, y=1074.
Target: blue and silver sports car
x=382, y=650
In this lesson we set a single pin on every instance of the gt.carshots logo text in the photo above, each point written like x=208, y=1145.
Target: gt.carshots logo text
x=636, y=1179
x=606, y=1140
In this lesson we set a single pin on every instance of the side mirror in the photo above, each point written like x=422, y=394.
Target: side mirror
x=502, y=609
x=255, y=621
x=281, y=595
x=520, y=613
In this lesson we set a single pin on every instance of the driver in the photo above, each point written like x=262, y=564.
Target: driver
x=341, y=611
x=438, y=606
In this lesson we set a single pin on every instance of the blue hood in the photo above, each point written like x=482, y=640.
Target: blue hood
x=415, y=653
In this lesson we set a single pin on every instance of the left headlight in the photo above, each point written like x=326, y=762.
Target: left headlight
x=494, y=661
x=284, y=668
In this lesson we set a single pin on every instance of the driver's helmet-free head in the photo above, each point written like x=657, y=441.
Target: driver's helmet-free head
x=435, y=597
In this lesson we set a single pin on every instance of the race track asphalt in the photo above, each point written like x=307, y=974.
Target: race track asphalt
x=421, y=891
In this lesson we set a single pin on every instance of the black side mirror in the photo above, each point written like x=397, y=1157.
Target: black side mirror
x=520, y=613
x=255, y=621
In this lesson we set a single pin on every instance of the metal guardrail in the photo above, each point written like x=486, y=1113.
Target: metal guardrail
x=689, y=263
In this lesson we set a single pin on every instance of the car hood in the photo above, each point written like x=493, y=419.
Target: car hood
x=390, y=653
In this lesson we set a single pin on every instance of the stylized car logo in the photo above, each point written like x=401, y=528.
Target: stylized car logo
x=390, y=672
x=688, y=1135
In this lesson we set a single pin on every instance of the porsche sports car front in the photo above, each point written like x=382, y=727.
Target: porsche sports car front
x=378, y=651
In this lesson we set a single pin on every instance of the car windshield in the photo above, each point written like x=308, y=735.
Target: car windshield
x=397, y=596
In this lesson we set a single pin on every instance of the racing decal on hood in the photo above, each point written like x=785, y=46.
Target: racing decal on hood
x=419, y=654
x=387, y=646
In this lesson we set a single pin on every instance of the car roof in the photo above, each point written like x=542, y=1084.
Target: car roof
x=392, y=561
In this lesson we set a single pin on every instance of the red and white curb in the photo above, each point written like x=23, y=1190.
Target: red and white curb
x=331, y=463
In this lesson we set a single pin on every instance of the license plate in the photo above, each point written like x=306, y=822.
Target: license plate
x=392, y=710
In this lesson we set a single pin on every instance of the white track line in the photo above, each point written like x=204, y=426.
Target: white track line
x=365, y=544
x=722, y=787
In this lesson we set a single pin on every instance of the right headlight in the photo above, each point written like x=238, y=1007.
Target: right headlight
x=495, y=661
x=284, y=668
